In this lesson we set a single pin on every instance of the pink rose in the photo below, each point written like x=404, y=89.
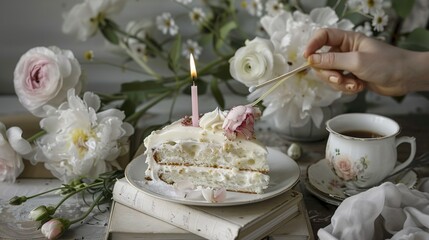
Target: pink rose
x=54, y=228
x=43, y=76
x=240, y=122
x=344, y=169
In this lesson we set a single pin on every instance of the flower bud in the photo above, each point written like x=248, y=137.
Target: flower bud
x=55, y=227
x=39, y=213
x=17, y=200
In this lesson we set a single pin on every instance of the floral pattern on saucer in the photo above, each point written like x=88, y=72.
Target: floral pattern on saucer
x=322, y=177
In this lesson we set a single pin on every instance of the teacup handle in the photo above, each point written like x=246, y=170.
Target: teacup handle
x=412, y=142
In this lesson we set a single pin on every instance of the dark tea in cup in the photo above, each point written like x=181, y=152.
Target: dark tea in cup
x=361, y=134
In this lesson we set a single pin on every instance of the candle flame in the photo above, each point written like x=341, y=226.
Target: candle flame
x=193, y=69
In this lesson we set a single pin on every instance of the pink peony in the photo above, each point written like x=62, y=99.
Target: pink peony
x=42, y=77
x=240, y=122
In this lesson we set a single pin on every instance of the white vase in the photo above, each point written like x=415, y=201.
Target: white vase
x=309, y=132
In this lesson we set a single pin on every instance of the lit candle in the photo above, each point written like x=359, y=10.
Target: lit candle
x=194, y=93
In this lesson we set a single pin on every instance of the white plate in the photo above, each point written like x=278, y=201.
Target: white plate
x=284, y=174
x=326, y=185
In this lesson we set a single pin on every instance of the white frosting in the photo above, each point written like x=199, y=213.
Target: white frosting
x=213, y=120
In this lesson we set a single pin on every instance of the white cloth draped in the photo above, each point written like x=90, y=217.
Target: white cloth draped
x=387, y=211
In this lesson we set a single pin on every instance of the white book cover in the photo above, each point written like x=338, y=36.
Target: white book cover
x=126, y=223
x=249, y=221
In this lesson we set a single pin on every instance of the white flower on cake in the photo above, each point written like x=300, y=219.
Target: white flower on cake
x=81, y=142
x=84, y=18
x=12, y=147
x=299, y=99
x=43, y=75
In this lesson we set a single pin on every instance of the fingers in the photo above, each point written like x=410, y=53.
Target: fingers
x=329, y=37
x=345, y=83
x=348, y=61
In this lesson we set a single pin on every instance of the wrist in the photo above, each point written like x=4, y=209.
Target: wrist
x=417, y=71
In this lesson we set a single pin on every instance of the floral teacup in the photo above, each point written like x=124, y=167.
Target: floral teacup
x=361, y=148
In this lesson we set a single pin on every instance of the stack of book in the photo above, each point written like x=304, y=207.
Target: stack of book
x=137, y=215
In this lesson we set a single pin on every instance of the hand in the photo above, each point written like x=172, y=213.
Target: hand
x=355, y=61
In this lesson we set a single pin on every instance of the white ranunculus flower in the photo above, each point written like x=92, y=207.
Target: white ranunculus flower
x=12, y=147
x=302, y=97
x=42, y=77
x=256, y=62
x=83, y=19
x=80, y=141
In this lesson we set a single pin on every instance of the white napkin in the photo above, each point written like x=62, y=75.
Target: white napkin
x=400, y=212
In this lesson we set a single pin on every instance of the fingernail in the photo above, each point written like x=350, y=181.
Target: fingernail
x=350, y=86
x=315, y=59
x=333, y=79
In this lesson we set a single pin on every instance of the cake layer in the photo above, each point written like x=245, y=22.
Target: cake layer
x=230, y=179
x=209, y=154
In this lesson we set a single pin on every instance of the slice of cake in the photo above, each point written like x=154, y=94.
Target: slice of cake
x=221, y=153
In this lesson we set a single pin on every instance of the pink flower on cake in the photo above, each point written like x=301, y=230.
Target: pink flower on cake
x=43, y=76
x=240, y=122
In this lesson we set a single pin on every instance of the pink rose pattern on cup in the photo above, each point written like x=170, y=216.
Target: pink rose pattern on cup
x=345, y=168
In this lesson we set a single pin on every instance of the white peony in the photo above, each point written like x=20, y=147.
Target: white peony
x=84, y=18
x=81, y=142
x=299, y=99
x=256, y=62
x=12, y=147
x=43, y=75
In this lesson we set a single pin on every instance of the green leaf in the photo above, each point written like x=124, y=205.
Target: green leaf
x=142, y=86
x=174, y=55
x=223, y=33
x=417, y=40
x=222, y=71
x=108, y=31
x=129, y=107
x=217, y=94
x=403, y=7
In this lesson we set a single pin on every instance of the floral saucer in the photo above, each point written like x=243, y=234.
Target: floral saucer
x=326, y=185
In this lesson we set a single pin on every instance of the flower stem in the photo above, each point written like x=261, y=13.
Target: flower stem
x=77, y=191
x=36, y=136
x=95, y=203
x=141, y=63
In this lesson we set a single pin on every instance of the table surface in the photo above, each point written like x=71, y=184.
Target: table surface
x=319, y=212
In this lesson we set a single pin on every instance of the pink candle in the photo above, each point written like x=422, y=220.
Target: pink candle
x=194, y=92
x=195, y=114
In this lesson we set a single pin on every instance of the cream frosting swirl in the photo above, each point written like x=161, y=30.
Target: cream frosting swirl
x=213, y=120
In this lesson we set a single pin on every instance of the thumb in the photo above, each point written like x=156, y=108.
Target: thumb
x=333, y=60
